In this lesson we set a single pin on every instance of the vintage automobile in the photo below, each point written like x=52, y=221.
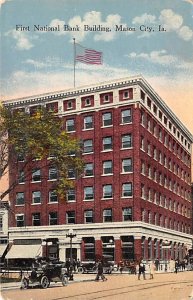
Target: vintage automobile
x=126, y=265
x=44, y=274
x=91, y=266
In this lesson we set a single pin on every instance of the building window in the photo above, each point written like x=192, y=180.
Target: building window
x=20, y=198
x=126, y=116
x=70, y=125
x=20, y=157
x=89, y=169
x=107, y=119
x=127, y=165
x=127, y=214
x=87, y=102
x=71, y=195
x=53, y=173
x=36, y=175
x=53, y=218
x=36, y=197
x=36, y=219
x=69, y=105
x=88, y=216
x=89, y=193
x=107, y=215
x=70, y=217
x=126, y=141
x=53, y=197
x=107, y=143
x=107, y=167
x=88, y=122
x=20, y=221
x=71, y=174
x=142, y=146
x=106, y=98
x=127, y=189
x=1, y=223
x=107, y=191
x=88, y=146
x=89, y=248
x=21, y=177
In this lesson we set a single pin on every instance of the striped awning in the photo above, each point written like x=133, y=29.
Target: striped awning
x=24, y=251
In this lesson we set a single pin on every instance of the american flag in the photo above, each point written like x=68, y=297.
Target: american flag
x=88, y=56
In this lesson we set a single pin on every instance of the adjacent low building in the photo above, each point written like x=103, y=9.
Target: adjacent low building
x=134, y=199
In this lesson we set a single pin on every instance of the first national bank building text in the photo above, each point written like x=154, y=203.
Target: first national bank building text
x=134, y=198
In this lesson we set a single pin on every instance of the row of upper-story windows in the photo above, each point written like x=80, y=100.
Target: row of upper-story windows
x=106, y=120
x=150, y=122
x=164, y=180
x=164, y=137
x=107, y=193
x=107, y=169
x=89, y=217
x=86, y=101
x=159, y=156
x=164, y=221
x=160, y=199
x=107, y=143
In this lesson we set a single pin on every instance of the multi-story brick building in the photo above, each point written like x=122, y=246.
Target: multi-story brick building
x=134, y=199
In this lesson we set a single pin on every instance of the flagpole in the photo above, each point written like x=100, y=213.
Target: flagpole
x=74, y=60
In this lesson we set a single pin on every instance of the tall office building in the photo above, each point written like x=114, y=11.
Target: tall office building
x=134, y=198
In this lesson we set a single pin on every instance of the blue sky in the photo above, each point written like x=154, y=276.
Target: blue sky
x=36, y=62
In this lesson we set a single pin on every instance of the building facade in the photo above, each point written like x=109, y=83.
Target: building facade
x=134, y=198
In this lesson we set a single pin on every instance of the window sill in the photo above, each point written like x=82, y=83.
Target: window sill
x=38, y=181
x=36, y=203
x=85, y=153
x=127, y=148
x=110, y=174
x=19, y=205
x=129, y=172
x=54, y=202
x=104, y=199
x=107, y=126
x=107, y=150
x=126, y=197
x=87, y=200
x=88, y=176
x=87, y=129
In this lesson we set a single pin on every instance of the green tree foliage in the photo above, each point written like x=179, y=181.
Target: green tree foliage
x=38, y=137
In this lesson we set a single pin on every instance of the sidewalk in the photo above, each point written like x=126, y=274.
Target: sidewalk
x=77, y=278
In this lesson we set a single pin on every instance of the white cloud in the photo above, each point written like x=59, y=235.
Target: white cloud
x=23, y=41
x=159, y=57
x=185, y=33
x=23, y=83
x=144, y=19
x=90, y=18
x=170, y=20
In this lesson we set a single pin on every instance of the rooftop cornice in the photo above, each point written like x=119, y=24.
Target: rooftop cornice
x=73, y=92
x=100, y=87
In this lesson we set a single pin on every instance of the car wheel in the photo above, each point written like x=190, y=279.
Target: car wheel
x=80, y=270
x=64, y=280
x=44, y=282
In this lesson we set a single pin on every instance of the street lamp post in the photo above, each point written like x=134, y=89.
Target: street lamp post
x=71, y=235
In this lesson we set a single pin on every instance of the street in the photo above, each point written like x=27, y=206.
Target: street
x=167, y=286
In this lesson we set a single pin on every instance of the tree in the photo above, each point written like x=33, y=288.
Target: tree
x=37, y=137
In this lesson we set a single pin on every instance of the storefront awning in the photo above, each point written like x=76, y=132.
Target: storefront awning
x=24, y=251
x=2, y=249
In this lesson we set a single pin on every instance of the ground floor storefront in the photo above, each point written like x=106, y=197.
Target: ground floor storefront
x=117, y=241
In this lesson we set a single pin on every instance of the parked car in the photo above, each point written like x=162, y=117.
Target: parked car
x=43, y=275
x=91, y=266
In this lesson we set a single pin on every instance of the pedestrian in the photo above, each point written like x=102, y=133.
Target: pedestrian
x=152, y=269
x=74, y=263
x=172, y=265
x=141, y=270
x=176, y=266
x=157, y=264
x=68, y=266
x=100, y=272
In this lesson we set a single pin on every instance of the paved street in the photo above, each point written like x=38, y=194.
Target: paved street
x=117, y=287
